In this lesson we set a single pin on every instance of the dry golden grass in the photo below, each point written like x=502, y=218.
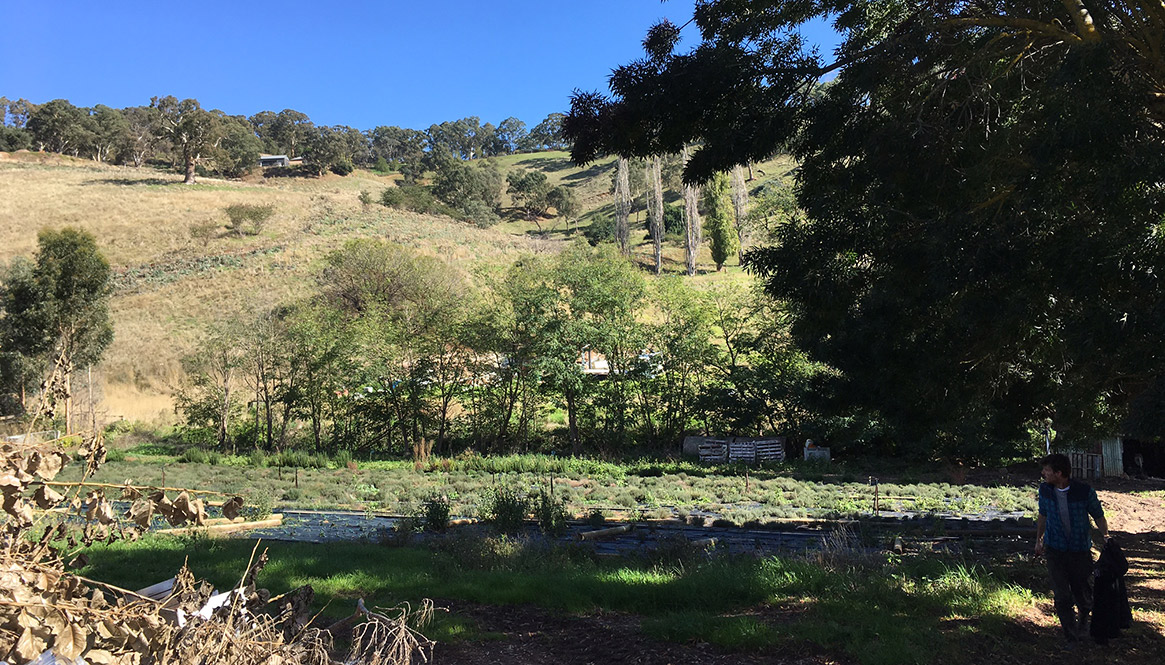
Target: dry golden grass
x=171, y=287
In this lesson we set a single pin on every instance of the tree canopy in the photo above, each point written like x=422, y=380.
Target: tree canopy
x=980, y=248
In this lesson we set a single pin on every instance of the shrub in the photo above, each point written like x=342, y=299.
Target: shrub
x=506, y=510
x=248, y=218
x=551, y=514
x=343, y=167
x=365, y=197
x=596, y=518
x=203, y=231
x=435, y=513
x=259, y=504
x=198, y=456
x=479, y=214
x=416, y=199
x=601, y=229
x=382, y=166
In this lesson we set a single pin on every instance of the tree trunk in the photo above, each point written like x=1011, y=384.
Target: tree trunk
x=655, y=209
x=740, y=207
x=226, y=410
x=69, y=402
x=189, y=180
x=691, y=221
x=572, y=422
x=623, y=207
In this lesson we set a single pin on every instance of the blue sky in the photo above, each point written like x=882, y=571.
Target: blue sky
x=410, y=63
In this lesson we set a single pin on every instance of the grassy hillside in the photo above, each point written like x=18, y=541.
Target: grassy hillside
x=170, y=286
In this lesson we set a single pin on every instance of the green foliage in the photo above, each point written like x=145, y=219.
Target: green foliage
x=459, y=184
x=414, y=198
x=506, y=509
x=435, y=513
x=530, y=191
x=248, y=218
x=59, y=126
x=200, y=456
x=564, y=202
x=55, y=309
x=343, y=166
x=480, y=214
x=965, y=273
x=190, y=130
x=329, y=149
x=719, y=227
x=551, y=514
x=14, y=138
x=237, y=153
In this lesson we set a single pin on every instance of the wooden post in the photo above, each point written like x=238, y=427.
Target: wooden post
x=163, y=475
x=297, y=477
x=746, y=479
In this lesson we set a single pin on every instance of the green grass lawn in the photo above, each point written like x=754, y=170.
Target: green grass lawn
x=875, y=609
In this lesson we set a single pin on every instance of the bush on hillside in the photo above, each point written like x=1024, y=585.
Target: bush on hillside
x=479, y=214
x=248, y=218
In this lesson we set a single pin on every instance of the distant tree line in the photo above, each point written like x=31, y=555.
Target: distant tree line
x=195, y=140
x=397, y=354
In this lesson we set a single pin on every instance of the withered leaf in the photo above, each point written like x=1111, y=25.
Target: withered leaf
x=231, y=508
x=30, y=645
x=99, y=657
x=18, y=508
x=56, y=620
x=9, y=482
x=198, y=508
x=45, y=497
x=48, y=465
x=71, y=641
x=104, y=512
x=141, y=511
x=181, y=512
x=129, y=492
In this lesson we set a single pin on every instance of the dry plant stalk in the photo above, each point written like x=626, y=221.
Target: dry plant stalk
x=43, y=607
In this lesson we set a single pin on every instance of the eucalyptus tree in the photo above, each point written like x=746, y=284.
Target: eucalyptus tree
x=192, y=131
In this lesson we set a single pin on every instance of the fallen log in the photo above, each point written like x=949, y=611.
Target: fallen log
x=218, y=529
x=604, y=533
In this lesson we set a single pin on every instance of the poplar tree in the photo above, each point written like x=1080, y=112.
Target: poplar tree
x=718, y=219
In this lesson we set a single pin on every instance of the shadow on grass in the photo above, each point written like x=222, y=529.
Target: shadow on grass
x=593, y=171
x=934, y=610
x=131, y=182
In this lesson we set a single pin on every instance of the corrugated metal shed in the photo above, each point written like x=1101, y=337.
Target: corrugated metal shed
x=1113, y=457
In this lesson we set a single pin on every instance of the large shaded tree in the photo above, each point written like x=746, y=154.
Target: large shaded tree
x=982, y=188
x=191, y=130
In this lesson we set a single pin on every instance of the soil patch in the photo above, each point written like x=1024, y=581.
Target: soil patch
x=527, y=635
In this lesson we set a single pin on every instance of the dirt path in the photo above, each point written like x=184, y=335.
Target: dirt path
x=527, y=635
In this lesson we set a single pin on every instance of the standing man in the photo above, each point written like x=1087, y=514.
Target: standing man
x=1065, y=535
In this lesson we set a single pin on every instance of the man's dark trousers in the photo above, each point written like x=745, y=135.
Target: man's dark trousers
x=1070, y=572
